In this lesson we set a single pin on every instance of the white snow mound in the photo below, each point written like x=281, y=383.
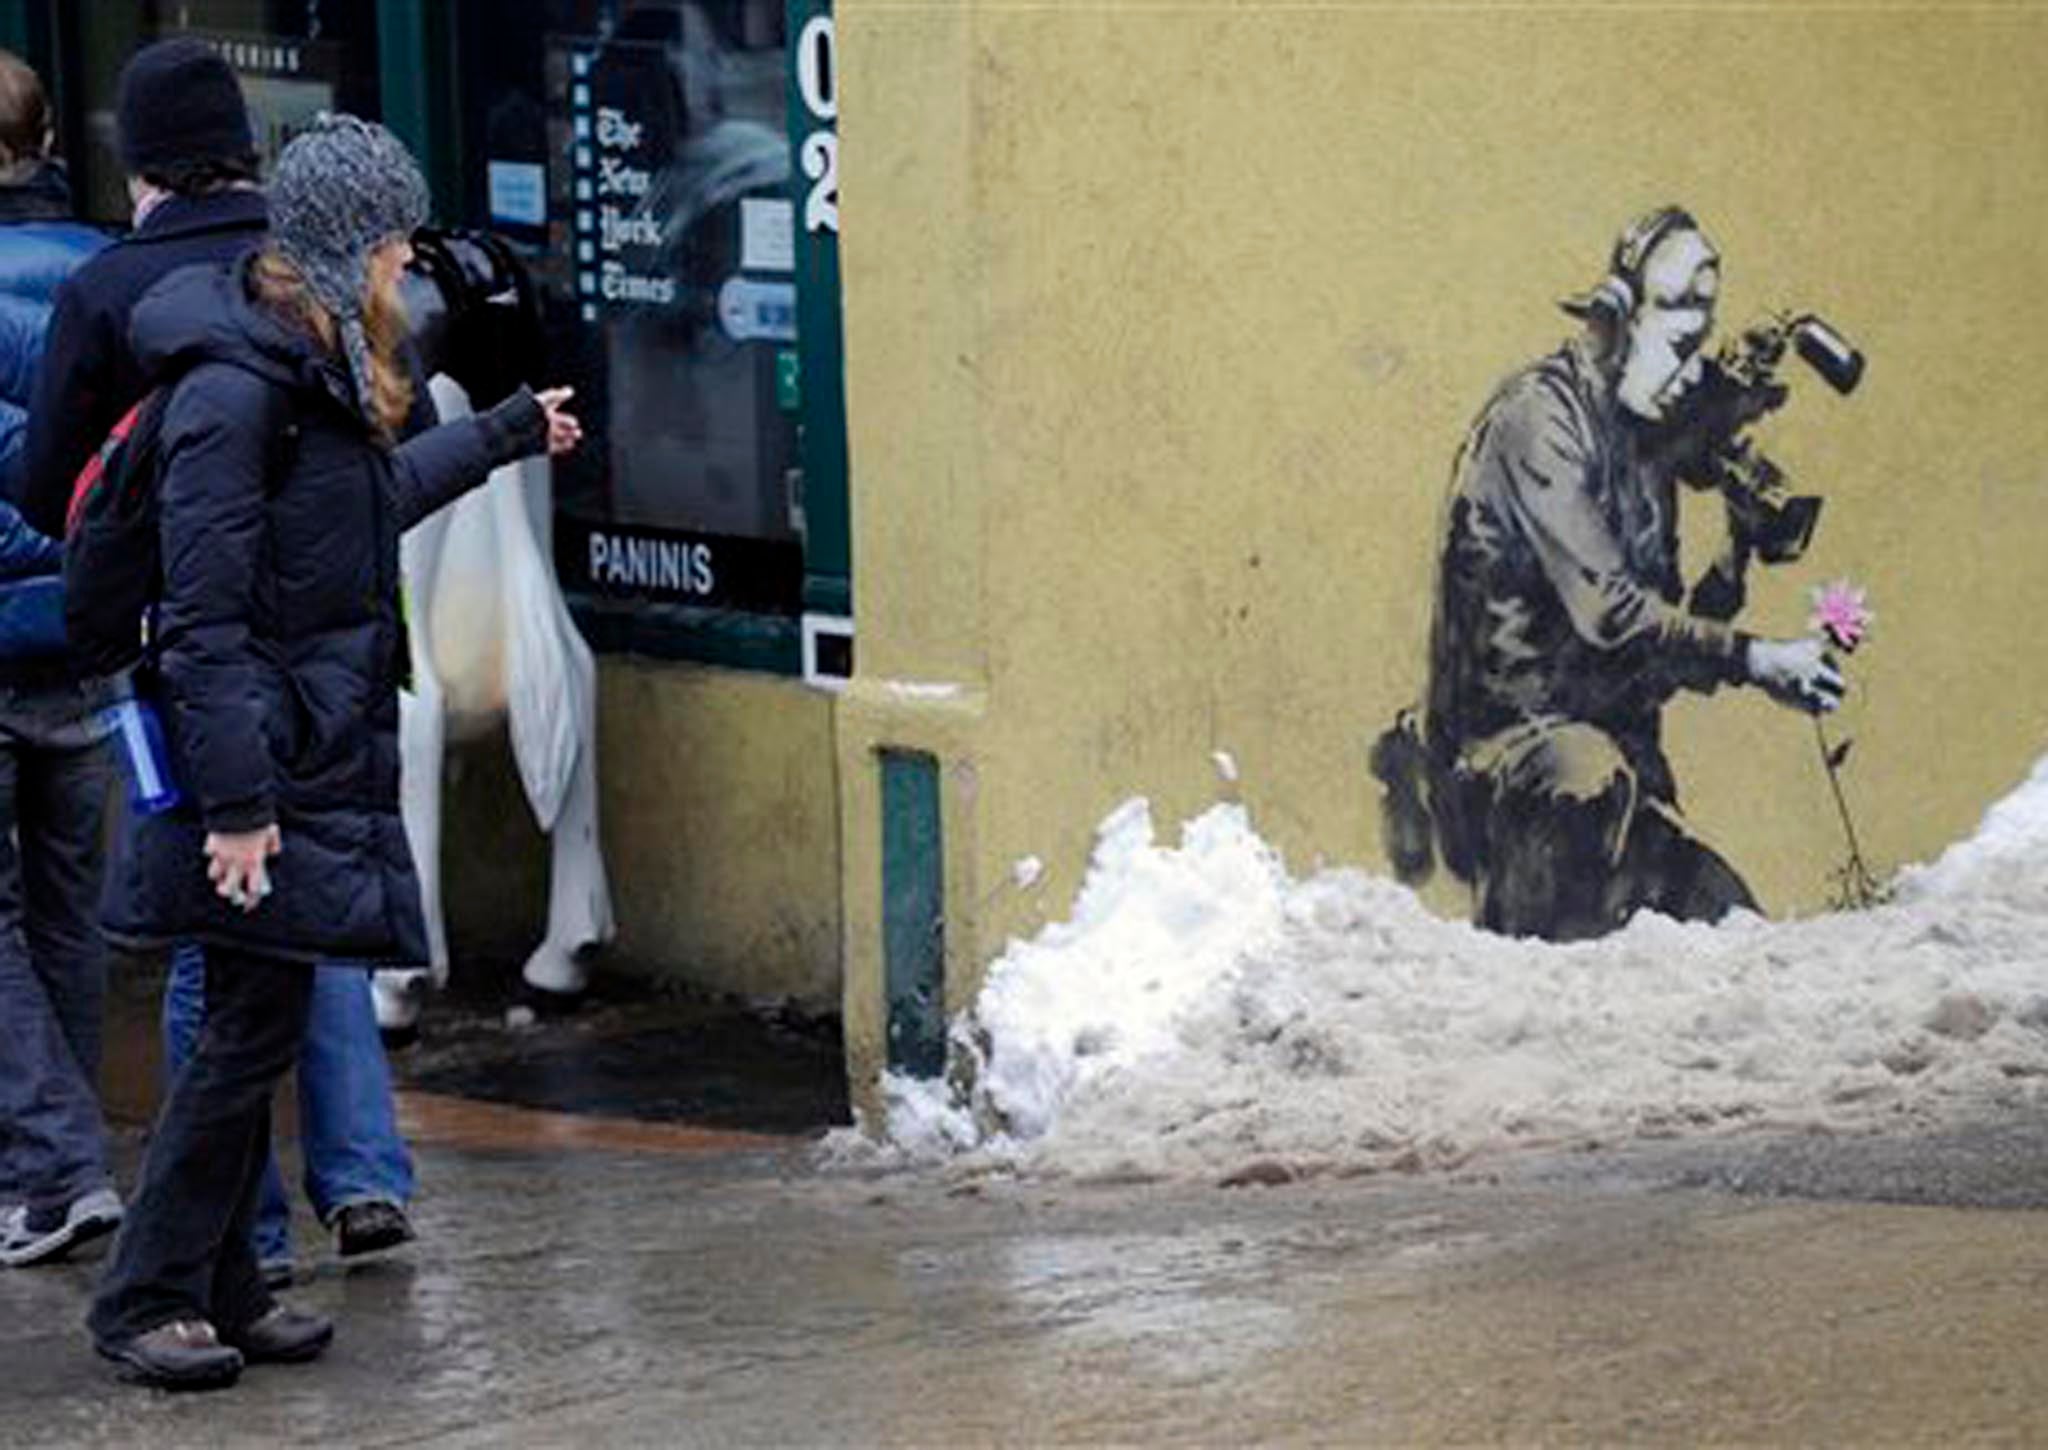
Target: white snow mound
x=1204, y=1013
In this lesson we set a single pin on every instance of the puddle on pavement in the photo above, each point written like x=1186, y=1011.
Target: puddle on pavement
x=704, y=1067
x=628, y=1054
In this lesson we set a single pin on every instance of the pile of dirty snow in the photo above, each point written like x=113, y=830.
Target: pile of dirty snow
x=1203, y=1013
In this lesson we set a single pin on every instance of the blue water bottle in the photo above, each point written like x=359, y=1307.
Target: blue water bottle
x=140, y=740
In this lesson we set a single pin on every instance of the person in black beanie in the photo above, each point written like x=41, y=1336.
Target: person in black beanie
x=280, y=649
x=180, y=106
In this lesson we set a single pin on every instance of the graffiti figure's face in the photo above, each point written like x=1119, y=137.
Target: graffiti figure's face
x=1663, y=361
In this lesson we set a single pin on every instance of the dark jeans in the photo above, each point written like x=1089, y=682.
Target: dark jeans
x=185, y=1250
x=54, y=778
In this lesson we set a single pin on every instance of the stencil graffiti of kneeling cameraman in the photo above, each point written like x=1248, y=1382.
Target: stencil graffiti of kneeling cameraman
x=1535, y=767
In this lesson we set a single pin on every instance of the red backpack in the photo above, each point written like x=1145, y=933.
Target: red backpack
x=113, y=565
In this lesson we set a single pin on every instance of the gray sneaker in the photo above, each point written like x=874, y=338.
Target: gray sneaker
x=28, y=1238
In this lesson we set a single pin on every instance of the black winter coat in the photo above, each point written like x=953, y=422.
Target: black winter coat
x=90, y=375
x=280, y=638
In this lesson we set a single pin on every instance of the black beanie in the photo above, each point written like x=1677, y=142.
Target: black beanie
x=180, y=102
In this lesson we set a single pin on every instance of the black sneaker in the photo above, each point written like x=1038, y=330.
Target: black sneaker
x=368, y=1228
x=185, y=1354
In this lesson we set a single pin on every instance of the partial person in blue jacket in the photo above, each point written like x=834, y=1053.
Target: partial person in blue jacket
x=40, y=245
x=184, y=135
x=55, y=1188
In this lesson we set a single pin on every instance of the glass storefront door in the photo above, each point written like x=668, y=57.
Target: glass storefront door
x=640, y=154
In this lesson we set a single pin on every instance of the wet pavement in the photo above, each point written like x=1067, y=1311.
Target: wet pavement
x=645, y=1291
x=626, y=1240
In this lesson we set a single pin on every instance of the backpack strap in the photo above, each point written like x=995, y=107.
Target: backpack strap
x=96, y=466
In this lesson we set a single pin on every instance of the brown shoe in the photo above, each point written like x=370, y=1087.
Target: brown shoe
x=185, y=1354
x=283, y=1336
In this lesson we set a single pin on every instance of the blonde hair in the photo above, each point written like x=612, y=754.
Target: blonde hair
x=283, y=288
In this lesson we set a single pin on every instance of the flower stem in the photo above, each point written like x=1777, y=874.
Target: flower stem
x=1859, y=886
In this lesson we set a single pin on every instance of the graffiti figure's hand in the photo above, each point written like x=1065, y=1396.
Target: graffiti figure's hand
x=1797, y=672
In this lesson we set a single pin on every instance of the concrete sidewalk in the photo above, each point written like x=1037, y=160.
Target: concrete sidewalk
x=642, y=1291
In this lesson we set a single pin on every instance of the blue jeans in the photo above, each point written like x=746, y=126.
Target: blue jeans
x=348, y=1129
x=54, y=779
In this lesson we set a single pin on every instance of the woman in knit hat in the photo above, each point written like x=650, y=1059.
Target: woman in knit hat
x=278, y=659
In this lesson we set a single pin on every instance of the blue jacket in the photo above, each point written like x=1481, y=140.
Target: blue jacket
x=280, y=644
x=40, y=246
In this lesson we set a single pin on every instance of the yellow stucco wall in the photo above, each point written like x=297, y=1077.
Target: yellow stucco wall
x=720, y=825
x=1165, y=321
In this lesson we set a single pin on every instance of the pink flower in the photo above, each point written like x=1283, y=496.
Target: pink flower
x=1842, y=613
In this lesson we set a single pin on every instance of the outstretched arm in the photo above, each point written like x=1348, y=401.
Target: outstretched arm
x=440, y=465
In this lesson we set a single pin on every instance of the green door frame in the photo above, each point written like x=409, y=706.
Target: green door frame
x=814, y=186
x=415, y=43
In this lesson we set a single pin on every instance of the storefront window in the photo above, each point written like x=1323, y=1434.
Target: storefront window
x=637, y=155
x=294, y=57
x=640, y=154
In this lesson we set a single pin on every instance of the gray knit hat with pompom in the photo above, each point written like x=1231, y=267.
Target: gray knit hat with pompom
x=342, y=187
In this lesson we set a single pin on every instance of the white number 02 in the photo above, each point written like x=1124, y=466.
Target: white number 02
x=821, y=164
x=819, y=83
